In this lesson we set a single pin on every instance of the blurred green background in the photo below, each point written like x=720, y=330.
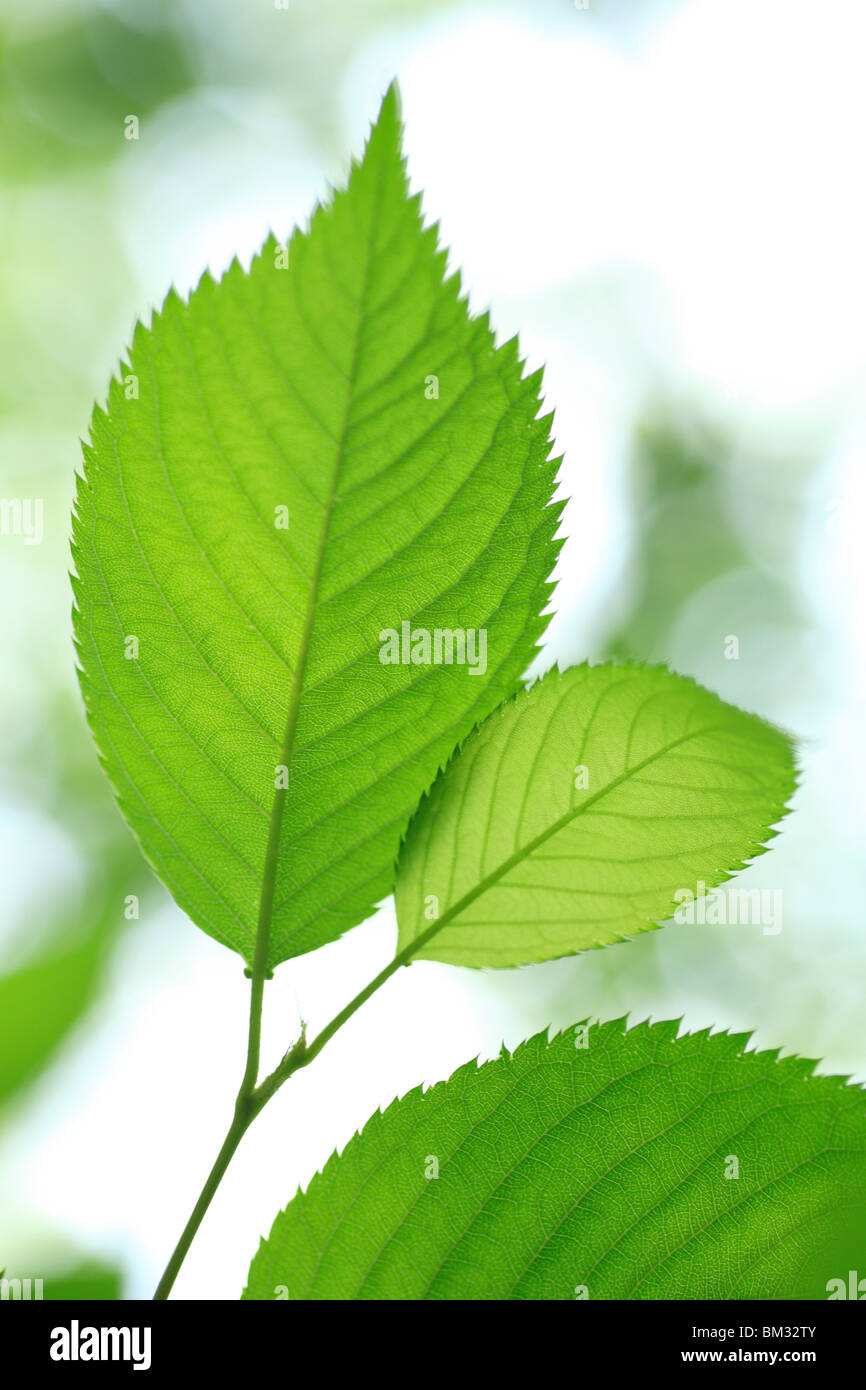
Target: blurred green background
x=643, y=192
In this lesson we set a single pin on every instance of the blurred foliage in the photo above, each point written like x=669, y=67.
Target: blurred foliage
x=83, y=1279
x=40, y=1002
x=67, y=82
x=64, y=92
x=43, y=998
x=89, y=1280
x=686, y=536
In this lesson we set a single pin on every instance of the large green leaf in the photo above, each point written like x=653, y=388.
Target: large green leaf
x=578, y=811
x=604, y=1164
x=313, y=389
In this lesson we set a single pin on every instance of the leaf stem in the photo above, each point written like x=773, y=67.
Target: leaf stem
x=239, y=1126
x=252, y=1099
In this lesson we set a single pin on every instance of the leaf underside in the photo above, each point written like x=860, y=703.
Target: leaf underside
x=573, y=816
x=602, y=1171
x=258, y=647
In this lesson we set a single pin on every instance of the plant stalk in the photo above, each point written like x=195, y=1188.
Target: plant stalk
x=252, y=1098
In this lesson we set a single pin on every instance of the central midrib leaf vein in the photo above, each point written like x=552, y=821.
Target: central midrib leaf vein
x=279, y=801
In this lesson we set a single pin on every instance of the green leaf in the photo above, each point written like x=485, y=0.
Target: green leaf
x=40, y=1003
x=578, y=811
x=62, y=946
x=602, y=1160
x=311, y=389
x=42, y=1000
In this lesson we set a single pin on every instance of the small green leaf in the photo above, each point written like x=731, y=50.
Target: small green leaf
x=297, y=462
x=605, y=1164
x=573, y=816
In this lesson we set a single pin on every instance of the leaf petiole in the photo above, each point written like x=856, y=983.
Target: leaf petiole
x=252, y=1099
